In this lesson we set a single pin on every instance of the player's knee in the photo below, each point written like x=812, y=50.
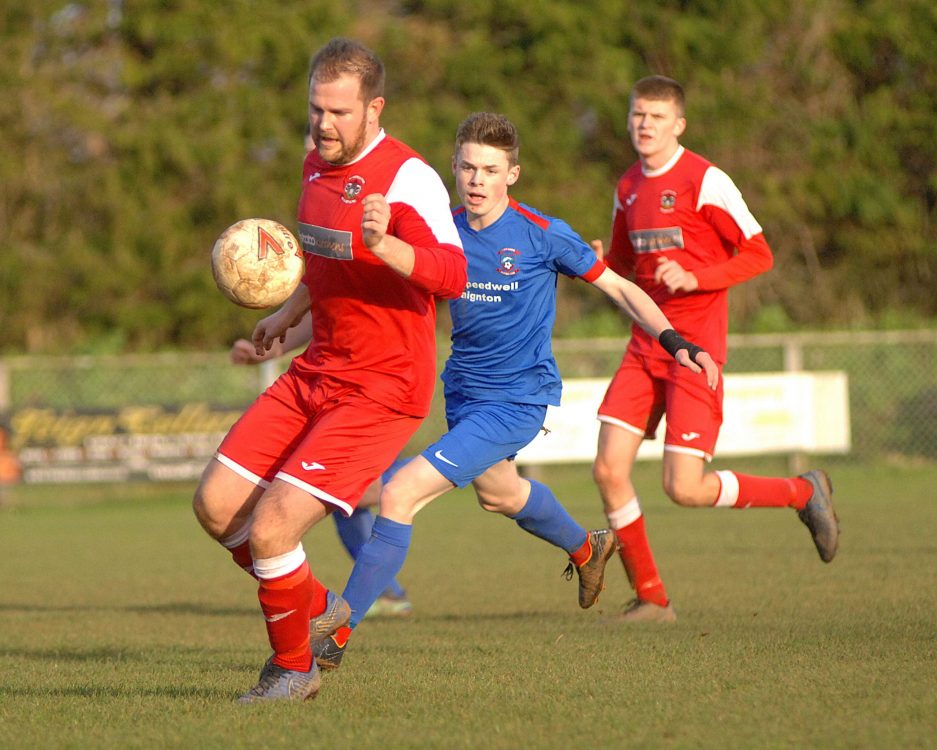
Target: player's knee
x=208, y=505
x=494, y=503
x=262, y=535
x=608, y=475
x=202, y=509
x=684, y=492
x=485, y=504
x=397, y=503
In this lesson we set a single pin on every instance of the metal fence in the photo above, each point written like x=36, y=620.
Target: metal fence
x=892, y=382
x=892, y=379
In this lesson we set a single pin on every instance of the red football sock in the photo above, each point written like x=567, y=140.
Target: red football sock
x=582, y=555
x=635, y=552
x=318, y=602
x=342, y=635
x=242, y=556
x=762, y=492
x=285, y=603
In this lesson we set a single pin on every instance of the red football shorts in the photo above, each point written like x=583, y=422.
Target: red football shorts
x=319, y=435
x=644, y=389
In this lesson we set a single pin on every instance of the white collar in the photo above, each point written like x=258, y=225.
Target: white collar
x=370, y=147
x=667, y=167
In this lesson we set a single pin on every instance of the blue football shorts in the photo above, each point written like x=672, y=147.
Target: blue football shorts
x=482, y=433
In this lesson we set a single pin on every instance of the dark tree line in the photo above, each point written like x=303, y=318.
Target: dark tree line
x=131, y=134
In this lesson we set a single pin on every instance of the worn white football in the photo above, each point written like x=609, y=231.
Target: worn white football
x=257, y=263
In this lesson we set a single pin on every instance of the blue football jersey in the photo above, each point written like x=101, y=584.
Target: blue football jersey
x=502, y=325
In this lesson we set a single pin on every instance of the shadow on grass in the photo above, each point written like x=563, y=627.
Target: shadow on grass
x=97, y=691
x=493, y=617
x=171, y=608
x=193, y=655
x=208, y=610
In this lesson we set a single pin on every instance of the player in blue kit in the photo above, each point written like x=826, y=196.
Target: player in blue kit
x=499, y=379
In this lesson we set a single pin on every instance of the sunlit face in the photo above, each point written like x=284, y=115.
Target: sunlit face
x=655, y=125
x=341, y=123
x=482, y=177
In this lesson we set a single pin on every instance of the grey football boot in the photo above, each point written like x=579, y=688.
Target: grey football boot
x=819, y=516
x=337, y=614
x=279, y=684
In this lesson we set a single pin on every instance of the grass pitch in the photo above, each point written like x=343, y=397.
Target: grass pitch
x=122, y=625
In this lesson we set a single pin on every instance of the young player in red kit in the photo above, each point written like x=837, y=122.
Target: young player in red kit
x=683, y=231
x=380, y=245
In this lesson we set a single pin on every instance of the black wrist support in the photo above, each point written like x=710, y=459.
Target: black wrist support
x=674, y=342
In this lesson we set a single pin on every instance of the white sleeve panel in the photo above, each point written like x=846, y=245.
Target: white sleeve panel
x=419, y=186
x=718, y=190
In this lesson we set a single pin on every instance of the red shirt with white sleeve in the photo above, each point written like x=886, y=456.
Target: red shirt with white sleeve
x=691, y=212
x=372, y=327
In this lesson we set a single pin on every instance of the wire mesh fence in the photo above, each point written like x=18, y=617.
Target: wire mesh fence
x=82, y=410
x=892, y=379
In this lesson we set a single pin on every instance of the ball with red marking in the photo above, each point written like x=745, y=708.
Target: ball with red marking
x=257, y=263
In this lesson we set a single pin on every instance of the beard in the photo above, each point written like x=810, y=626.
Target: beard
x=345, y=152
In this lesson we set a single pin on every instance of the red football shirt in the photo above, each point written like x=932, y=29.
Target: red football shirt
x=689, y=211
x=370, y=326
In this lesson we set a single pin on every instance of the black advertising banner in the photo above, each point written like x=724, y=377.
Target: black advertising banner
x=131, y=442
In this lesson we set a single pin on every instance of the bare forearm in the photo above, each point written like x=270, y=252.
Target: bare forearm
x=634, y=301
x=299, y=335
x=296, y=305
x=397, y=254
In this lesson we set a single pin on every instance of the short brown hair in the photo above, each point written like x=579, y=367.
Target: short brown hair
x=342, y=56
x=660, y=88
x=490, y=129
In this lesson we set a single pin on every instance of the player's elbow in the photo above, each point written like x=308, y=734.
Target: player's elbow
x=456, y=283
x=443, y=273
x=452, y=292
x=762, y=251
x=767, y=262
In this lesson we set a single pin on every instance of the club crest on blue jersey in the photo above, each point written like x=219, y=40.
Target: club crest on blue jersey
x=668, y=201
x=508, y=261
x=352, y=189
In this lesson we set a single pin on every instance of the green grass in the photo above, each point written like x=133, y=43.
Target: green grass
x=121, y=625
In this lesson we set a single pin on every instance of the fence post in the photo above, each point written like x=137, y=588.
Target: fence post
x=268, y=372
x=794, y=362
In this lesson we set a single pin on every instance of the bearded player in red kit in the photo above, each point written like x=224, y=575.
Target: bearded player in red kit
x=380, y=244
x=683, y=231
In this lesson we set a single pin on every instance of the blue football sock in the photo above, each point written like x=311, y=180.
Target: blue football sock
x=377, y=564
x=544, y=517
x=394, y=589
x=354, y=530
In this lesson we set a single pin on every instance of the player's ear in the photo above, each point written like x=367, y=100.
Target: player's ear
x=375, y=107
x=513, y=173
x=679, y=127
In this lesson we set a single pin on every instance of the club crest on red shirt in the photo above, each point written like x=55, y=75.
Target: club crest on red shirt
x=668, y=200
x=508, y=261
x=352, y=189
